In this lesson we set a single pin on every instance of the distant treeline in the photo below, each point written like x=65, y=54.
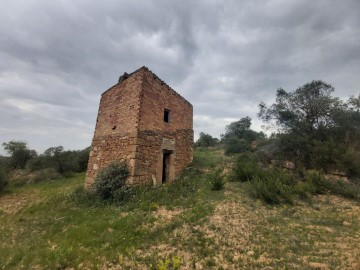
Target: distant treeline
x=26, y=165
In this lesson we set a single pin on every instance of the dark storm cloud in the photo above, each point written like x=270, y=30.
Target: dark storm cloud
x=57, y=57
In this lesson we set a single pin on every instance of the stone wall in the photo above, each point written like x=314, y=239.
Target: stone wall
x=130, y=126
x=150, y=147
x=157, y=96
x=108, y=148
x=119, y=108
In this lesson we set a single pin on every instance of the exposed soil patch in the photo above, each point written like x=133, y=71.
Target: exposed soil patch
x=12, y=203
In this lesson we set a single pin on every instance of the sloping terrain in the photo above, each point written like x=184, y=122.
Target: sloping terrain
x=55, y=225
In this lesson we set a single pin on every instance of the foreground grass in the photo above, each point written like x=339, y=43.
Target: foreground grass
x=185, y=225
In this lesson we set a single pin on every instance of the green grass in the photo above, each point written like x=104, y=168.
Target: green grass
x=56, y=225
x=64, y=226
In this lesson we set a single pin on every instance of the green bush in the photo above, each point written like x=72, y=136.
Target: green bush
x=317, y=180
x=335, y=187
x=110, y=182
x=274, y=188
x=352, y=163
x=217, y=179
x=305, y=190
x=3, y=179
x=42, y=175
x=315, y=183
x=235, y=145
x=245, y=169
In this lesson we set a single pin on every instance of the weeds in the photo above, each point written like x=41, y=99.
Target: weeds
x=217, y=179
x=172, y=263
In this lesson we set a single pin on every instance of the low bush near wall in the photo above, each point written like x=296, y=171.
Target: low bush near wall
x=110, y=182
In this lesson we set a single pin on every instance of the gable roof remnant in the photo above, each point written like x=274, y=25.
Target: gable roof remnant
x=126, y=75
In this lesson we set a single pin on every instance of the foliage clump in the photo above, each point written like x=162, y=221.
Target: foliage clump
x=245, y=169
x=24, y=165
x=19, y=154
x=206, y=140
x=276, y=186
x=217, y=179
x=239, y=138
x=3, y=180
x=316, y=129
x=110, y=181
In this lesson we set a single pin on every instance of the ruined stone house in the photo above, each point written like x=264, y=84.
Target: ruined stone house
x=145, y=122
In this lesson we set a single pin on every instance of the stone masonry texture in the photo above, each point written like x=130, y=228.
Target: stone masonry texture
x=131, y=127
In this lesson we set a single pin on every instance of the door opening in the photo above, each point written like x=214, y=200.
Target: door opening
x=166, y=166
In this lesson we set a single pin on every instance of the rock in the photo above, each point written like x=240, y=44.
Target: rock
x=289, y=165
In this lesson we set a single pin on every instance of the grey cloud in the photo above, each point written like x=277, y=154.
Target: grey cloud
x=224, y=57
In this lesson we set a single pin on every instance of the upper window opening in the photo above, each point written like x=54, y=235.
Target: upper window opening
x=166, y=115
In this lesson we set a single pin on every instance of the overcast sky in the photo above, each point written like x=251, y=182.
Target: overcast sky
x=225, y=57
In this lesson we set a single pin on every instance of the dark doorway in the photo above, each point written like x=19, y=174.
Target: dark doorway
x=166, y=166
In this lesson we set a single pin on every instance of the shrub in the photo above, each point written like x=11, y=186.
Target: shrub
x=217, y=179
x=110, y=182
x=206, y=140
x=245, y=169
x=83, y=158
x=43, y=175
x=3, y=179
x=235, y=145
x=335, y=187
x=304, y=190
x=36, y=163
x=274, y=188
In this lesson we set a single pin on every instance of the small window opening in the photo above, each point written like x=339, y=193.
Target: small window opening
x=166, y=116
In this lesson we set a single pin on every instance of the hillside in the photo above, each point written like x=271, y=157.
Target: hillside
x=55, y=225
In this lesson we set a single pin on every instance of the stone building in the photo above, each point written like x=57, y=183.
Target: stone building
x=144, y=121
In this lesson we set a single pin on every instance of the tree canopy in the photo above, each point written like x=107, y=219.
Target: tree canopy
x=206, y=140
x=239, y=136
x=316, y=129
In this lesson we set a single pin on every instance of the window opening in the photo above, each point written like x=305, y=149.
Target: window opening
x=166, y=116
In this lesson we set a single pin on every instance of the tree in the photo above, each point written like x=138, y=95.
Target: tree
x=3, y=174
x=315, y=127
x=13, y=146
x=19, y=153
x=307, y=109
x=64, y=162
x=206, y=140
x=238, y=136
x=241, y=130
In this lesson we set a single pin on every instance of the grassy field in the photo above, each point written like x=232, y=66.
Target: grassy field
x=186, y=225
